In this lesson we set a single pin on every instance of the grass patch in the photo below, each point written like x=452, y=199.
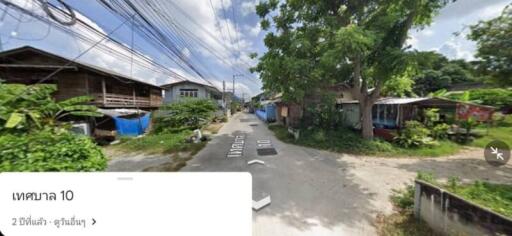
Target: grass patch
x=348, y=141
x=155, y=143
x=501, y=131
x=497, y=197
x=442, y=149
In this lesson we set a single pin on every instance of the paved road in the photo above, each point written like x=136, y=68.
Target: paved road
x=312, y=192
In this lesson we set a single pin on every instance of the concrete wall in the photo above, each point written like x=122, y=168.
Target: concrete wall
x=172, y=94
x=449, y=214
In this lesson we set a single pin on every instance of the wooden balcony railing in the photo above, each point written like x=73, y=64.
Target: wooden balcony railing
x=117, y=100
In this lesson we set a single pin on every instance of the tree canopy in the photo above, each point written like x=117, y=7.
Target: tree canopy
x=434, y=72
x=494, y=47
x=315, y=44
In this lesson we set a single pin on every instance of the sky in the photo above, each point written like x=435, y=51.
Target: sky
x=229, y=28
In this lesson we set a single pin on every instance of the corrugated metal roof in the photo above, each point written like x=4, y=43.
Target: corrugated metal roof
x=120, y=112
x=82, y=64
x=399, y=100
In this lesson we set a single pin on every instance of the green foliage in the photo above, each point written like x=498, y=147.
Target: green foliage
x=185, y=114
x=403, y=198
x=313, y=45
x=431, y=117
x=324, y=115
x=347, y=141
x=502, y=130
x=155, y=143
x=468, y=125
x=50, y=150
x=493, y=46
x=440, y=131
x=498, y=97
x=435, y=72
x=235, y=106
x=497, y=197
x=453, y=182
x=339, y=140
x=31, y=107
x=415, y=134
x=399, y=85
x=428, y=177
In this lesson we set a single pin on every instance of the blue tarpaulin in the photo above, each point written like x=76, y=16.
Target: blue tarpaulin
x=267, y=113
x=132, y=127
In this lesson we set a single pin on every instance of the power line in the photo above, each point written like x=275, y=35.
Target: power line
x=85, y=37
x=200, y=27
x=71, y=61
x=153, y=34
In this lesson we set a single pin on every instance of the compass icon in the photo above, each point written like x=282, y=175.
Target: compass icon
x=497, y=153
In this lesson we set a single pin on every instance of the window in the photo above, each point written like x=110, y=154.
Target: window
x=188, y=93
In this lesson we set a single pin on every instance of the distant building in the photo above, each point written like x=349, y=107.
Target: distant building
x=188, y=89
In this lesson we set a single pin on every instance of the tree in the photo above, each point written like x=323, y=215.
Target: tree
x=400, y=85
x=434, y=72
x=429, y=81
x=494, y=49
x=316, y=44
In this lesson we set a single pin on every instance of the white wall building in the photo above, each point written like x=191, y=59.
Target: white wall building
x=175, y=91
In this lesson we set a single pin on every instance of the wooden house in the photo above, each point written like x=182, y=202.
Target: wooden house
x=28, y=65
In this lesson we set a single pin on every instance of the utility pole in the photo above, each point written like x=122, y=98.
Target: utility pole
x=224, y=95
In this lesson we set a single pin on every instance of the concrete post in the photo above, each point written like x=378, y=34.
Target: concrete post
x=417, y=200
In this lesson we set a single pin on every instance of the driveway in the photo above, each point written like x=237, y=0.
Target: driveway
x=322, y=193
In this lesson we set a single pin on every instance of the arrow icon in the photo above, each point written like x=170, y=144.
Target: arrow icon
x=256, y=161
x=257, y=205
x=499, y=155
x=93, y=221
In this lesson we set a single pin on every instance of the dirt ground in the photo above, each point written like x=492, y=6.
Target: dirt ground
x=381, y=175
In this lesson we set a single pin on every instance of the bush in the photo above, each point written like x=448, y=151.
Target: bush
x=440, y=131
x=185, y=114
x=50, y=150
x=431, y=117
x=414, y=135
x=403, y=199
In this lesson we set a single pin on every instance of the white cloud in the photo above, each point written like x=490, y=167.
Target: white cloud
x=455, y=18
x=427, y=32
x=248, y=7
x=234, y=49
x=455, y=50
x=254, y=30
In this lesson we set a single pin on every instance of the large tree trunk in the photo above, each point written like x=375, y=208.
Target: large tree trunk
x=366, y=100
x=365, y=109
